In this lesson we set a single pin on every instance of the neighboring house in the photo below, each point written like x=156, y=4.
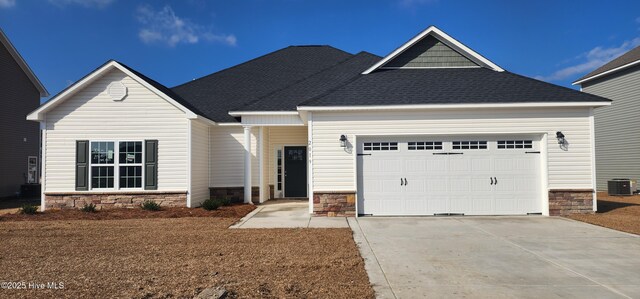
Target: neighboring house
x=432, y=128
x=617, y=127
x=20, y=93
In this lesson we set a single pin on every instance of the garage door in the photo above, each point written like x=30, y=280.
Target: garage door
x=452, y=175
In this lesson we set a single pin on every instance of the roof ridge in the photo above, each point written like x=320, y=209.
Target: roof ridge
x=347, y=82
x=246, y=62
x=262, y=97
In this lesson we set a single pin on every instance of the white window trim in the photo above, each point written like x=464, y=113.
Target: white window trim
x=116, y=166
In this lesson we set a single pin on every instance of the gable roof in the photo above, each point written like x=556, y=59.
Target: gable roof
x=447, y=86
x=625, y=61
x=445, y=39
x=287, y=99
x=23, y=64
x=157, y=88
x=218, y=93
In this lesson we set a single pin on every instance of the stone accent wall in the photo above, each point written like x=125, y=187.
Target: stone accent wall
x=235, y=194
x=334, y=204
x=566, y=202
x=105, y=200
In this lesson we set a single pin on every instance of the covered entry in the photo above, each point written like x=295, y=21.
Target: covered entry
x=466, y=175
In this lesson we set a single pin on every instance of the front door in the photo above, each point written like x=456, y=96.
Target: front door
x=295, y=171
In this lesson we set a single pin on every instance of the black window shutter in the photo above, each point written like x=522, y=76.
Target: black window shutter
x=82, y=165
x=151, y=164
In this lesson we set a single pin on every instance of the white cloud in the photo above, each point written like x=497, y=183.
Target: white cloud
x=85, y=3
x=591, y=60
x=163, y=26
x=7, y=3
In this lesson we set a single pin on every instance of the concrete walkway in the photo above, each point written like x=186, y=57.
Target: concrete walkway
x=287, y=214
x=497, y=257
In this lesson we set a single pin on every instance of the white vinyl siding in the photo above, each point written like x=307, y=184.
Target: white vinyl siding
x=91, y=114
x=199, y=162
x=334, y=169
x=280, y=136
x=227, y=157
x=617, y=127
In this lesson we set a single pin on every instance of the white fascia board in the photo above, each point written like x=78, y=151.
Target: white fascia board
x=23, y=65
x=37, y=114
x=205, y=120
x=240, y=113
x=452, y=106
x=229, y=124
x=628, y=65
x=445, y=38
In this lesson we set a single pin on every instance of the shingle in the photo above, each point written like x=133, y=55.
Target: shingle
x=626, y=58
x=446, y=86
x=216, y=94
x=287, y=99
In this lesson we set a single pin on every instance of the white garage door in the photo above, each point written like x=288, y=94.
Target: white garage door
x=452, y=175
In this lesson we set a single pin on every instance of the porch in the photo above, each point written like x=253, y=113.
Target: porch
x=257, y=163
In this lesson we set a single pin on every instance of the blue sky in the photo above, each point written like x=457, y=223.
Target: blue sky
x=176, y=41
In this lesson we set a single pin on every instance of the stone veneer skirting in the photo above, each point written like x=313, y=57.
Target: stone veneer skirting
x=334, y=204
x=572, y=201
x=107, y=200
x=235, y=194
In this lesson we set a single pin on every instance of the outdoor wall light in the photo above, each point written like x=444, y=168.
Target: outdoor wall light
x=343, y=141
x=560, y=137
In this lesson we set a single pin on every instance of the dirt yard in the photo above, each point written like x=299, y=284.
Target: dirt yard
x=176, y=258
x=616, y=212
x=233, y=211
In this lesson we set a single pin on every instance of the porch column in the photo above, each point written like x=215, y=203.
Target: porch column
x=247, y=165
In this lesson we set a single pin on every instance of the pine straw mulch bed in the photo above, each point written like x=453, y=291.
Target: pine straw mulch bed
x=177, y=258
x=233, y=211
x=617, y=212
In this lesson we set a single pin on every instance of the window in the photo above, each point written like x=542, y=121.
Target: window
x=425, y=145
x=512, y=144
x=102, y=164
x=116, y=168
x=131, y=156
x=279, y=169
x=380, y=146
x=461, y=145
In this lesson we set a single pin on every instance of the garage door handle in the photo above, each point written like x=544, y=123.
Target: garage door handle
x=405, y=181
x=401, y=183
x=491, y=180
x=496, y=180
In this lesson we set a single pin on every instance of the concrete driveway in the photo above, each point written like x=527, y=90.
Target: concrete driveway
x=497, y=257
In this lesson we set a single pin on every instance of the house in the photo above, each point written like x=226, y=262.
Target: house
x=432, y=128
x=617, y=128
x=20, y=93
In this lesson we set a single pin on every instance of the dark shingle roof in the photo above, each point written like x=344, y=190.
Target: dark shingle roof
x=287, y=99
x=446, y=86
x=216, y=94
x=626, y=58
x=164, y=89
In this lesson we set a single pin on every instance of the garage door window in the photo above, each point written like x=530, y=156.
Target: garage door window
x=514, y=144
x=380, y=146
x=425, y=145
x=465, y=145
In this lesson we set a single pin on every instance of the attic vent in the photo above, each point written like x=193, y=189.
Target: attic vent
x=117, y=91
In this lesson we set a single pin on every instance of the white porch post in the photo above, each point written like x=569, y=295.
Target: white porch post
x=261, y=149
x=247, y=165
